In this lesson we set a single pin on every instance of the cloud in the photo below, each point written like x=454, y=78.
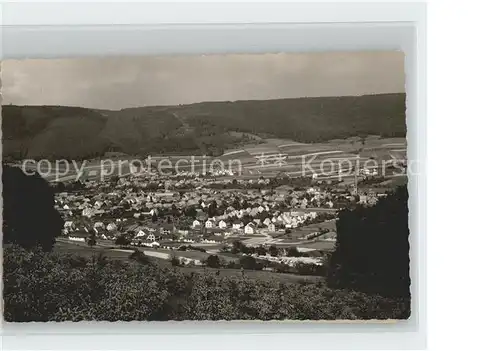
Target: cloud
x=115, y=83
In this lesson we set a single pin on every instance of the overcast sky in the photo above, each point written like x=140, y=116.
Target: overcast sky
x=116, y=83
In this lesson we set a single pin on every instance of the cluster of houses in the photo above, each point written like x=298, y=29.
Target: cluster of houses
x=214, y=229
x=138, y=206
x=232, y=219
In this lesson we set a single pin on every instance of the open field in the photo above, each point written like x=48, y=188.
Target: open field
x=318, y=245
x=259, y=275
x=298, y=234
x=333, y=159
x=86, y=251
x=107, y=247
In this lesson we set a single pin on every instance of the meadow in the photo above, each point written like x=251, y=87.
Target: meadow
x=83, y=250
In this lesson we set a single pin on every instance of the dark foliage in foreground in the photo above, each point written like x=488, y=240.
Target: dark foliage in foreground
x=42, y=286
x=29, y=216
x=372, y=252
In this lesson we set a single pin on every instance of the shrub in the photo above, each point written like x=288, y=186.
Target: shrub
x=41, y=286
x=140, y=257
x=238, y=247
x=261, y=251
x=92, y=241
x=293, y=252
x=175, y=261
x=248, y=262
x=309, y=269
x=273, y=251
x=122, y=240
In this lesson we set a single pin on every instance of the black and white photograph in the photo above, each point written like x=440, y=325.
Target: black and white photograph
x=217, y=187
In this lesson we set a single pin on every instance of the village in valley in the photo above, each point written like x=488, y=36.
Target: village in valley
x=207, y=187
x=264, y=221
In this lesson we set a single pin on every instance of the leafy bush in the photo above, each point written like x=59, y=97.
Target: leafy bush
x=175, y=261
x=273, y=251
x=293, y=252
x=122, y=240
x=261, y=251
x=140, y=257
x=51, y=287
x=309, y=269
x=42, y=286
x=213, y=261
x=250, y=263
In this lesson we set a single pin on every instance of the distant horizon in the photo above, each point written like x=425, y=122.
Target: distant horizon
x=202, y=102
x=115, y=83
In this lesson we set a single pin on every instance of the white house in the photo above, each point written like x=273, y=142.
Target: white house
x=88, y=212
x=140, y=234
x=81, y=237
x=271, y=227
x=222, y=224
x=196, y=224
x=69, y=225
x=250, y=228
x=237, y=225
x=209, y=224
x=76, y=238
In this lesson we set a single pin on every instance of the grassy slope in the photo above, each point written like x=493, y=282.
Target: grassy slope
x=71, y=132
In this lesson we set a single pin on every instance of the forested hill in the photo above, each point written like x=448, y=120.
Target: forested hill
x=208, y=127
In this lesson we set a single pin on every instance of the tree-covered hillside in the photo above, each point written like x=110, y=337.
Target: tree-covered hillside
x=78, y=133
